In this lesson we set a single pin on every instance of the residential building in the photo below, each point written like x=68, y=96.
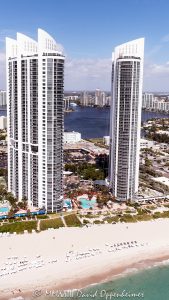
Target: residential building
x=150, y=102
x=66, y=103
x=100, y=98
x=84, y=100
x=2, y=98
x=35, y=74
x=3, y=122
x=108, y=100
x=98, y=94
x=125, y=119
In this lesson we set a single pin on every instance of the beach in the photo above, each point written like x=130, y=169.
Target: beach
x=73, y=258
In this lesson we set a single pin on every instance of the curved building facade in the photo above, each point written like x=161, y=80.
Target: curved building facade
x=35, y=77
x=125, y=119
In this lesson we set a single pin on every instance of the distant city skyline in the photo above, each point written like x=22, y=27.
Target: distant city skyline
x=89, y=32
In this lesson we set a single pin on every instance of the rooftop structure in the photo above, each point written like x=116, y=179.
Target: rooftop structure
x=162, y=179
x=71, y=137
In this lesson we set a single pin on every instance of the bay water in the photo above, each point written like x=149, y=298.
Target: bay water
x=94, y=122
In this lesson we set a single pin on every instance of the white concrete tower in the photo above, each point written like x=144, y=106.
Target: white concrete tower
x=35, y=76
x=125, y=118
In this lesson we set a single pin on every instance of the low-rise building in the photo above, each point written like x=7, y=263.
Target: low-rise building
x=106, y=140
x=163, y=132
x=146, y=143
x=71, y=137
x=3, y=122
x=162, y=179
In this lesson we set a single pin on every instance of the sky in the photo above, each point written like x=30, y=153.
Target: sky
x=89, y=30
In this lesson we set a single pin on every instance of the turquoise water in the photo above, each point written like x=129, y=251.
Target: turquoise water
x=150, y=284
x=4, y=209
x=68, y=202
x=87, y=203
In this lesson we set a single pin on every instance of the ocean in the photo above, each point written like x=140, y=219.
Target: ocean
x=148, y=284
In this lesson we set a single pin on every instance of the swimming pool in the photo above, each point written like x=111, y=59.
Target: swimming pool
x=87, y=203
x=4, y=209
x=68, y=203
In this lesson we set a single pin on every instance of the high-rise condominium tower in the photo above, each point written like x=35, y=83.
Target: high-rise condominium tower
x=125, y=118
x=2, y=98
x=35, y=73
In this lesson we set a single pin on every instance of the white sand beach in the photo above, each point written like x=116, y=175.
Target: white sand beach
x=69, y=258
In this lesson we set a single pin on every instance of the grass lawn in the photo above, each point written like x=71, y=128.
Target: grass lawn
x=52, y=223
x=72, y=220
x=19, y=227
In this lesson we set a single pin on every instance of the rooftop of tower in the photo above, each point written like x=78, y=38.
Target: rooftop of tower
x=25, y=45
x=130, y=49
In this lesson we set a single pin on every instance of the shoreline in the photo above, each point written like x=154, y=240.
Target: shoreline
x=78, y=270
x=74, y=286
x=113, y=274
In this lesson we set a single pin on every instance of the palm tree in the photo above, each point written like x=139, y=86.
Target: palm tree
x=28, y=213
x=11, y=213
x=3, y=190
x=10, y=197
x=25, y=202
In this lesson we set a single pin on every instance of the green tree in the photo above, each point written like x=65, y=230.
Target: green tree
x=11, y=213
x=148, y=162
x=3, y=191
x=28, y=213
x=10, y=197
x=154, y=128
x=25, y=202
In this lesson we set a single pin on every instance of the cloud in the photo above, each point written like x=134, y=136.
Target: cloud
x=157, y=70
x=2, y=70
x=156, y=77
x=155, y=50
x=80, y=74
x=165, y=38
x=87, y=74
x=2, y=57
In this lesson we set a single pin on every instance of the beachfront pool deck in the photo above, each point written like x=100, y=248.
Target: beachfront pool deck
x=4, y=209
x=85, y=203
x=68, y=203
